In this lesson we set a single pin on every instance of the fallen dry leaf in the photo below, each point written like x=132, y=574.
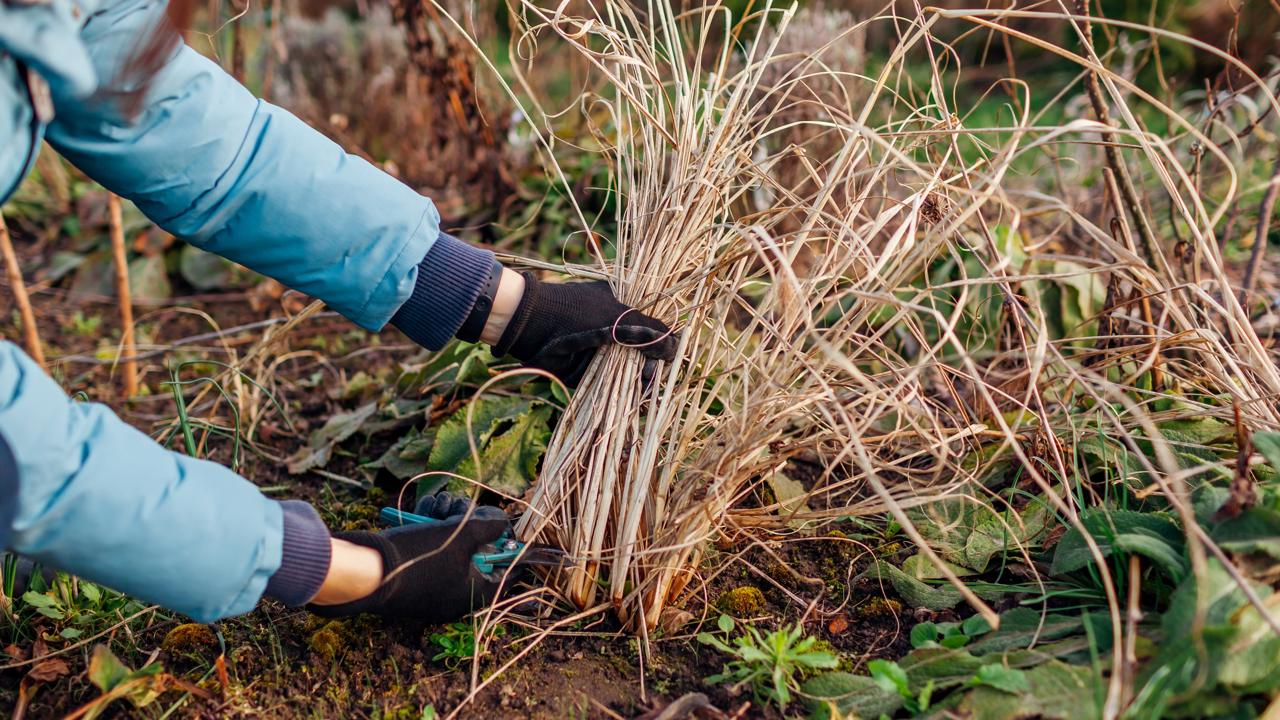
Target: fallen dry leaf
x=838, y=625
x=48, y=670
x=15, y=652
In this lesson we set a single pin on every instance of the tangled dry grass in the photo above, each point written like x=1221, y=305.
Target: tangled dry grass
x=849, y=358
x=863, y=280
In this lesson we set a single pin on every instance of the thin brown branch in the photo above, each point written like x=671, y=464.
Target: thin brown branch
x=1260, y=237
x=1151, y=248
x=127, y=345
x=14, y=273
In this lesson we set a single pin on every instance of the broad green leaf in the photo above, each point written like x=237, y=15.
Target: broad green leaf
x=474, y=366
x=854, y=695
x=440, y=368
x=395, y=414
x=509, y=461
x=923, y=633
x=1169, y=559
x=975, y=625
x=725, y=623
x=105, y=669
x=915, y=592
x=90, y=591
x=1198, y=660
x=205, y=270
x=1105, y=524
x=922, y=568
x=451, y=444
x=1020, y=627
x=1004, y=679
x=890, y=676
x=1268, y=443
x=149, y=280
x=408, y=457
x=1220, y=597
x=945, y=667
x=969, y=534
x=39, y=600
x=1056, y=691
x=1005, y=534
x=919, y=594
x=559, y=394
x=1108, y=458
x=1257, y=529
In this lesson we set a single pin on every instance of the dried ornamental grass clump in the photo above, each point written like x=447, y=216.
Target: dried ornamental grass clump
x=855, y=282
x=637, y=479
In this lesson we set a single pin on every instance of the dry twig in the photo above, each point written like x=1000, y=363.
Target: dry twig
x=13, y=271
x=123, y=295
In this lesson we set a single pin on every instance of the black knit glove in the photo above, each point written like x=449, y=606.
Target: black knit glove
x=559, y=326
x=428, y=573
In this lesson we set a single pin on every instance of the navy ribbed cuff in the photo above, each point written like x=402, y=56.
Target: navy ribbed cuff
x=8, y=491
x=450, y=278
x=305, y=555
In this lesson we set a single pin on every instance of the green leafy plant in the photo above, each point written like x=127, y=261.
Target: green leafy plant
x=948, y=635
x=457, y=643
x=76, y=606
x=772, y=664
x=117, y=681
x=1006, y=679
x=891, y=677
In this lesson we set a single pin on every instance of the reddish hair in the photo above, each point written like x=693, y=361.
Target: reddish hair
x=152, y=54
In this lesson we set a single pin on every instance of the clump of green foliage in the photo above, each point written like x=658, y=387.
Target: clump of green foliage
x=457, y=643
x=771, y=664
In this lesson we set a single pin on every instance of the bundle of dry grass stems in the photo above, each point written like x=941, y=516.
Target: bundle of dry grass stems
x=781, y=213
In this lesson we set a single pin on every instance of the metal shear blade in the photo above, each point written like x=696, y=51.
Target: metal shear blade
x=544, y=556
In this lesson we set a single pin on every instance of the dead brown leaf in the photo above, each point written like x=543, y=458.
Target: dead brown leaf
x=15, y=652
x=838, y=625
x=49, y=670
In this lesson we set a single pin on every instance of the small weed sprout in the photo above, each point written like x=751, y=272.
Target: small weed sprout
x=457, y=643
x=772, y=664
x=892, y=678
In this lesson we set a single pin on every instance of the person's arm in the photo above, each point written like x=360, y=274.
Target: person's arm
x=240, y=177
x=97, y=498
x=237, y=176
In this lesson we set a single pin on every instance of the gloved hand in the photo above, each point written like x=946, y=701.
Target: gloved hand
x=427, y=569
x=559, y=326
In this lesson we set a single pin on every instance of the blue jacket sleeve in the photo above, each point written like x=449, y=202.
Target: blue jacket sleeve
x=237, y=176
x=99, y=499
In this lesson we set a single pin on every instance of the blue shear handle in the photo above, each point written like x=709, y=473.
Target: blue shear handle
x=393, y=516
x=485, y=562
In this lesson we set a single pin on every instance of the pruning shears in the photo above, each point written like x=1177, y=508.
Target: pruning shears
x=501, y=553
